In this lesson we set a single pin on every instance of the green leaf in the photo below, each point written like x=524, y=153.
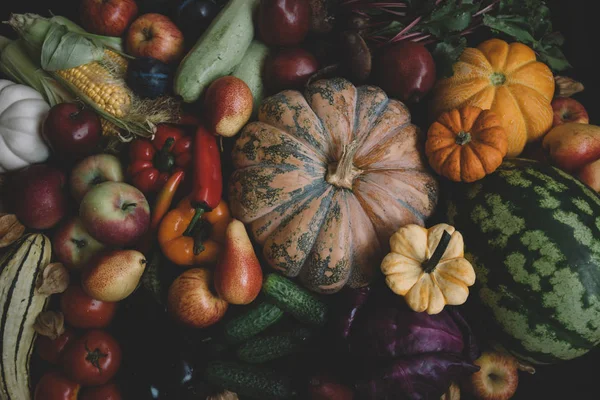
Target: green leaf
x=513, y=26
x=554, y=58
x=449, y=18
x=63, y=49
x=446, y=54
x=553, y=39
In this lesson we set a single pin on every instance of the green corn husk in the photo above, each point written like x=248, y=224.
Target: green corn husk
x=16, y=64
x=58, y=45
x=112, y=42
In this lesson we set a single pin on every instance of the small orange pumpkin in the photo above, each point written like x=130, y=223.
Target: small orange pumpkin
x=466, y=144
x=507, y=79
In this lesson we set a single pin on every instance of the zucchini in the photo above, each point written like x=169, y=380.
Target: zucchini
x=270, y=347
x=218, y=51
x=20, y=304
x=250, y=70
x=249, y=380
x=255, y=320
x=299, y=302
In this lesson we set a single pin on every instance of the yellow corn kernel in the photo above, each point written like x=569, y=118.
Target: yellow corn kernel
x=95, y=81
x=117, y=59
x=108, y=128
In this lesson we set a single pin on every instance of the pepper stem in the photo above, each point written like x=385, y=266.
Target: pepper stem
x=194, y=221
x=429, y=265
x=164, y=160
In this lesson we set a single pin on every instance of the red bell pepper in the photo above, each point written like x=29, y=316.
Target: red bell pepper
x=152, y=162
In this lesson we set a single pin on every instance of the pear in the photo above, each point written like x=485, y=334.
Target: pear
x=238, y=275
x=113, y=275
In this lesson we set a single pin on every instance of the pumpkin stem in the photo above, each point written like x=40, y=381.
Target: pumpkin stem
x=429, y=265
x=343, y=173
x=463, y=138
x=498, y=78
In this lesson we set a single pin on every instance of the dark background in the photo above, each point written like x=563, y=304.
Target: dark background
x=574, y=379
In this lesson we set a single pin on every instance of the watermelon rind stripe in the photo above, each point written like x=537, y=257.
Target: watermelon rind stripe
x=535, y=230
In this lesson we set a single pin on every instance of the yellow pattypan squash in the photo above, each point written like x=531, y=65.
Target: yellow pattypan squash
x=428, y=268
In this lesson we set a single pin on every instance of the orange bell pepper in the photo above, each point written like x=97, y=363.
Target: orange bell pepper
x=203, y=245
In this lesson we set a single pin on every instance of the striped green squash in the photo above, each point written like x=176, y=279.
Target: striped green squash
x=20, y=304
x=532, y=233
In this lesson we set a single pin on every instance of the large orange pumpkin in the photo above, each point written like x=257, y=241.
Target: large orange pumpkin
x=323, y=181
x=507, y=79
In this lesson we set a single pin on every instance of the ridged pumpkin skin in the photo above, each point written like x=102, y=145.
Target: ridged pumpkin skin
x=466, y=144
x=507, y=79
x=326, y=227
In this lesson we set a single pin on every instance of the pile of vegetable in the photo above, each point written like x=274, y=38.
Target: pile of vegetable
x=290, y=199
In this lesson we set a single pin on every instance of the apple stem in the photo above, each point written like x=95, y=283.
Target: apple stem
x=429, y=265
x=127, y=205
x=195, y=218
x=522, y=366
x=80, y=107
x=80, y=243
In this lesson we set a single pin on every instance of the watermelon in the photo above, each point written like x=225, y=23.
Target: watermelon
x=532, y=233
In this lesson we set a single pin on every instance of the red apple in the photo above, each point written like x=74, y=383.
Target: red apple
x=38, y=196
x=73, y=245
x=405, y=71
x=567, y=109
x=156, y=36
x=92, y=171
x=193, y=301
x=283, y=22
x=290, y=69
x=108, y=391
x=115, y=213
x=323, y=387
x=53, y=385
x=571, y=146
x=590, y=175
x=497, y=378
x=107, y=17
x=72, y=131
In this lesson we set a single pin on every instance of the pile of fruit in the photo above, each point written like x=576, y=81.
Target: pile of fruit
x=293, y=199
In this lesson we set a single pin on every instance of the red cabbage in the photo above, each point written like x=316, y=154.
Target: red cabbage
x=398, y=353
x=421, y=377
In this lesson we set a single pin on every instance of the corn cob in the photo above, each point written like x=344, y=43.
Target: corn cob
x=95, y=80
x=108, y=128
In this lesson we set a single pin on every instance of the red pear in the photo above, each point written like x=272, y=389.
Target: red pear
x=238, y=275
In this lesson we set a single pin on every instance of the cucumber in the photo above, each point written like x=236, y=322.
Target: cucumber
x=296, y=300
x=255, y=320
x=269, y=347
x=249, y=380
x=218, y=51
x=251, y=70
